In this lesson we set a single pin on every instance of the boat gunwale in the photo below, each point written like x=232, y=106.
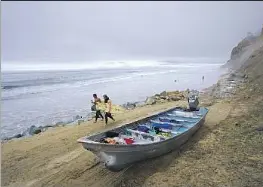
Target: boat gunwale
x=85, y=140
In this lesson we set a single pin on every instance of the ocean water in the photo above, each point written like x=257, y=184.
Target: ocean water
x=34, y=97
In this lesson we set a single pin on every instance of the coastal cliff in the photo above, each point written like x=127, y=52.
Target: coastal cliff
x=244, y=49
x=243, y=68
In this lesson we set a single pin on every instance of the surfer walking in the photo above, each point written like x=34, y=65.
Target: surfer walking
x=108, y=103
x=96, y=108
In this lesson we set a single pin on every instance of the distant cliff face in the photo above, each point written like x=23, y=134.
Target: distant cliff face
x=241, y=47
x=244, y=49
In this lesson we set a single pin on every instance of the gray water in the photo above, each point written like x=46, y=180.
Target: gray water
x=46, y=97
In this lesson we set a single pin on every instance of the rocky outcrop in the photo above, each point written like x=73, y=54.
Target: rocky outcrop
x=158, y=98
x=227, y=86
x=242, y=56
x=166, y=97
x=34, y=130
x=249, y=71
x=245, y=65
x=244, y=49
x=150, y=101
x=237, y=51
x=12, y=137
x=129, y=105
x=133, y=105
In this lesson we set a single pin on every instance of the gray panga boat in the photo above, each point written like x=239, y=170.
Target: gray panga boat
x=146, y=138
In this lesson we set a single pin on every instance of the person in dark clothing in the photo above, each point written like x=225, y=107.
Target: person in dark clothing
x=97, y=109
x=108, y=103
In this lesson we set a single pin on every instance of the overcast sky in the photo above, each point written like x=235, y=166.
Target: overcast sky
x=90, y=31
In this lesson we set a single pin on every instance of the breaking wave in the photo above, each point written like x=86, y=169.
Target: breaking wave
x=172, y=62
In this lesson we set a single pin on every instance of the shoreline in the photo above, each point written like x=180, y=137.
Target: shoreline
x=56, y=111
x=34, y=130
x=127, y=106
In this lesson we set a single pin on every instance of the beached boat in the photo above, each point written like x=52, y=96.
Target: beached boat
x=146, y=138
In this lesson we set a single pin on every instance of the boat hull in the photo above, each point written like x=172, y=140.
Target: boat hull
x=118, y=157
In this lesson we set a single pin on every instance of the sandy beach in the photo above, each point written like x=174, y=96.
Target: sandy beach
x=54, y=157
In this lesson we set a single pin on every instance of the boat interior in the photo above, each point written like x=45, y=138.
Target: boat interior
x=155, y=128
